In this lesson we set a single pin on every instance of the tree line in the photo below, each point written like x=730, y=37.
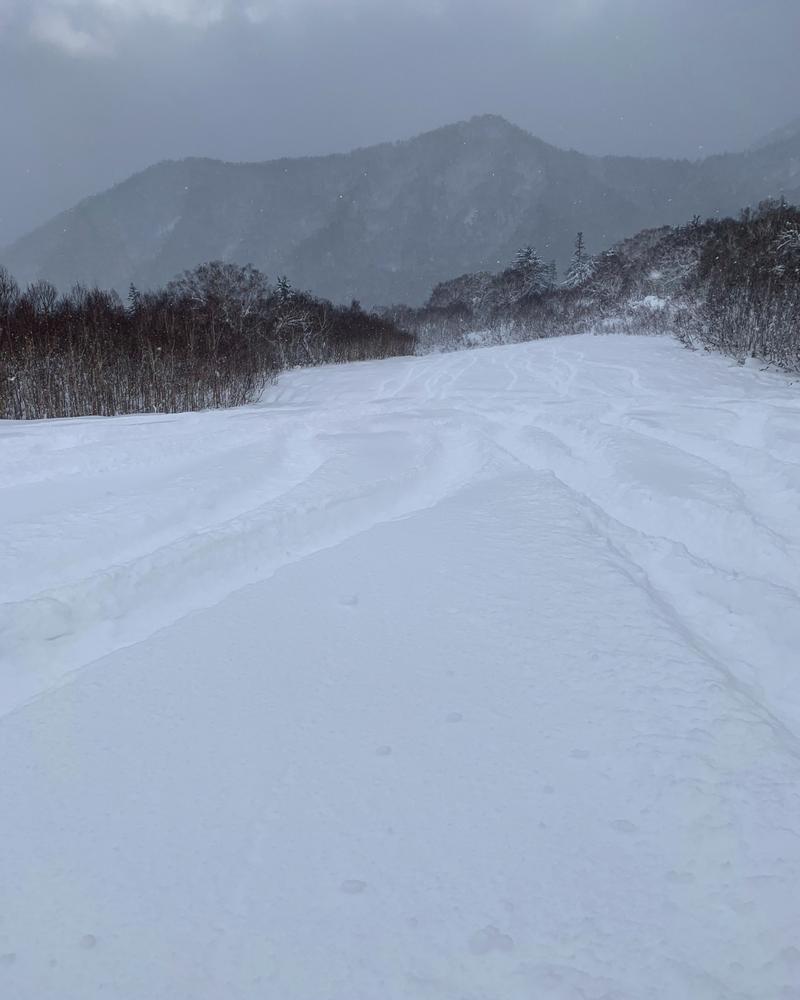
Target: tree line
x=215, y=336
x=731, y=285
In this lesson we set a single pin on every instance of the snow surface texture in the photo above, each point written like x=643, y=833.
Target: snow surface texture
x=470, y=676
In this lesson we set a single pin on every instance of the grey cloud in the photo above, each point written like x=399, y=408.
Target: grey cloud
x=96, y=27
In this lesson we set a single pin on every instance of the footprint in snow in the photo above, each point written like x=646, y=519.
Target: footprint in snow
x=681, y=878
x=455, y=717
x=383, y=752
x=353, y=886
x=88, y=941
x=624, y=826
x=9, y=958
x=349, y=601
x=490, y=939
x=790, y=956
x=579, y=754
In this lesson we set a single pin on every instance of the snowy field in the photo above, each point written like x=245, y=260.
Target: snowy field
x=471, y=677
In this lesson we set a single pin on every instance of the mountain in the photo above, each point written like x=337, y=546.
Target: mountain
x=788, y=132
x=386, y=223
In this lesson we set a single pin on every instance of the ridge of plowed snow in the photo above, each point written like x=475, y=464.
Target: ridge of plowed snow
x=468, y=676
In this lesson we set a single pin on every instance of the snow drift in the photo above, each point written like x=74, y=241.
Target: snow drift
x=467, y=676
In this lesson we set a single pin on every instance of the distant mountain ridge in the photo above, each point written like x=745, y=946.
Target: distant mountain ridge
x=386, y=223
x=786, y=133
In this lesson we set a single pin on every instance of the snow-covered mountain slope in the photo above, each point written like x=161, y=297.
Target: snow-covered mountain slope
x=386, y=223
x=468, y=676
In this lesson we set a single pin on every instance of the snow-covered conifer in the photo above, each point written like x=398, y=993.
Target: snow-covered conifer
x=581, y=267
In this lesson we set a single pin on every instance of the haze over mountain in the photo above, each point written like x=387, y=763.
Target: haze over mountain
x=386, y=223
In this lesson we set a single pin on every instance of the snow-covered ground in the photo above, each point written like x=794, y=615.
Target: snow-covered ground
x=471, y=676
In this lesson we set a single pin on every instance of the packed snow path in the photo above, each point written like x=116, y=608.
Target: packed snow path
x=470, y=677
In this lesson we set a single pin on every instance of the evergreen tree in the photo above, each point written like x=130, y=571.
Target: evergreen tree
x=581, y=267
x=531, y=270
x=525, y=258
x=284, y=288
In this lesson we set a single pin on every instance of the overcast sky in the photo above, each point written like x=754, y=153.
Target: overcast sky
x=93, y=90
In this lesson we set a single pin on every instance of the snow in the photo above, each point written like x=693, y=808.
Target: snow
x=470, y=676
x=653, y=302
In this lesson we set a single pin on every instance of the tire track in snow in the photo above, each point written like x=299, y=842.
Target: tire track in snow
x=364, y=480
x=432, y=424
x=681, y=591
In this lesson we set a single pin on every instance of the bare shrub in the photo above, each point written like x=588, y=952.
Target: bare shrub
x=213, y=338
